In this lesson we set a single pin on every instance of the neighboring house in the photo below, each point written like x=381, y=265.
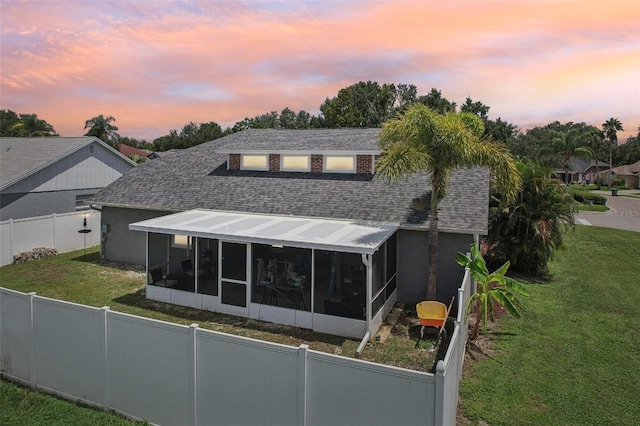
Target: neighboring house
x=630, y=173
x=44, y=175
x=290, y=226
x=582, y=170
x=131, y=152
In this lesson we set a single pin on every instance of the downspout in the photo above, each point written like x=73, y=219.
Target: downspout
x=367, y=260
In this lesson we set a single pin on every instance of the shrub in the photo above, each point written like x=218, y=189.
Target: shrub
x=585, y=197
x=528, y=231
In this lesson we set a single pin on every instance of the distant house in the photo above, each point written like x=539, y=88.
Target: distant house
x=630, y=173
x=131, y=151
x=582, y=170
x=40, y=176
x=290, y=226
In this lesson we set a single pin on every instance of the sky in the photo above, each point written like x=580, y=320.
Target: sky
x=158, y=65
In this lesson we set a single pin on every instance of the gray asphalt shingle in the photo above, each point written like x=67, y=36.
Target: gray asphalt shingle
x=198, y=178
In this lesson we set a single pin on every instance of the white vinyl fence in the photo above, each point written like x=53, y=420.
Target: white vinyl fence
x=171, y=374
x=58, y=231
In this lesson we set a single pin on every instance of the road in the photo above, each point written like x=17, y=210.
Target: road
x=624, y=213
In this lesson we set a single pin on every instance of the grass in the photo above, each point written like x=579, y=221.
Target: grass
x=593, y=208
x=574, y=357
x=21, y=406
x=85, y=279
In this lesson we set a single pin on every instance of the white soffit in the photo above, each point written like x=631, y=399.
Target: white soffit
x=321, y=234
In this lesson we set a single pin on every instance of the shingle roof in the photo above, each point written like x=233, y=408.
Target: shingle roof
x=308, y=140
x=20, y=157
x=198, y=178
x=581, y=165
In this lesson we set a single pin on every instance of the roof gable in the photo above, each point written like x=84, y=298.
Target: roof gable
x=22, y=157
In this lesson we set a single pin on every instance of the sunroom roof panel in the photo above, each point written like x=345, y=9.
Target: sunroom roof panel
x=324, y=234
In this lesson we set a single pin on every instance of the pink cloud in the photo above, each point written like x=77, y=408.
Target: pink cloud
x=159, y=65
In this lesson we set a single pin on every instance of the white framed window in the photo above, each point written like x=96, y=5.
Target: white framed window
x=295, y=163
x=340, y=163
x=254, y=162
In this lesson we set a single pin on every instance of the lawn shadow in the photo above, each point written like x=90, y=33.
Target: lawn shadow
x=88, y=257
x=223, y=322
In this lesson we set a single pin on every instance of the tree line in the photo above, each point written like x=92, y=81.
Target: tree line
x=370, y=104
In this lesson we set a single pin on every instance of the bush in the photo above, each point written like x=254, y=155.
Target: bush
x=528, y=231
x=584, y=197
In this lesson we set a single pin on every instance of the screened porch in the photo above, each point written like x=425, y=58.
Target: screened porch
x=331, y=276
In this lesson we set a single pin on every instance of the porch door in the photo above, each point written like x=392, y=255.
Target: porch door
x=234, y=277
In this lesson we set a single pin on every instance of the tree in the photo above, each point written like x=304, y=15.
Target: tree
x=569, y=144
x=610, y=128
x=627, y=153
x=436, y=102
x=491, y=288
x=8, y=119
x=101, y=128
x=360, y=105
x=477, y=108
x=423, y=140
x=528, y=230
x=26, y=125
x=594, y=140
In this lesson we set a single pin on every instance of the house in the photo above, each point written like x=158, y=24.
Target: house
x=40, y=176
x=582, y=170
x=289, y=226
x=630, y=173
x=132, y=152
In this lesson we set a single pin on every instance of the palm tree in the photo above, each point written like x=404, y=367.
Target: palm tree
x=569, y=144
x=610, y=128
x=30, y=125
x=594, y=140
x=423, y=140
x=101, y=128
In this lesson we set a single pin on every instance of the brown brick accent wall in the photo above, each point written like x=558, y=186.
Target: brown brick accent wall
x=375, y=162
x=274, y=162
x=363, y=164
x=316, y=163
x=234, y=161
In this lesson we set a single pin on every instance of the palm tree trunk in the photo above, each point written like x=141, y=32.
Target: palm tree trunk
x=433, y=237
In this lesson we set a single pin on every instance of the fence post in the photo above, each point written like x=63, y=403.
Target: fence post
x=106, y=380
x=53, y=228
x=193, y=361
x=440, y=391
x=302, y=384
x=32, y=363
x=10, y=241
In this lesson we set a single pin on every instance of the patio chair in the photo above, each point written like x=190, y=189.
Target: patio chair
x=157, y=278
x=187, y=268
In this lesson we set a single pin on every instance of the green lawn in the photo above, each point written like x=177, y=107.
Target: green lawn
x=574, y=357
x=21, y=406
x=85, y=279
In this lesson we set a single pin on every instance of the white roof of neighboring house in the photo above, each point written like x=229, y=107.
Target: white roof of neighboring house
x=21, y=157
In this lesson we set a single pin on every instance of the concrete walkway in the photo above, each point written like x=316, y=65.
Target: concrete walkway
x=624, y=212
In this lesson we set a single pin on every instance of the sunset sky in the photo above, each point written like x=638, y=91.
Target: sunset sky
x=158, y=65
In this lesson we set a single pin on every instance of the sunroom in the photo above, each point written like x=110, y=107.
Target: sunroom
x=331, y=276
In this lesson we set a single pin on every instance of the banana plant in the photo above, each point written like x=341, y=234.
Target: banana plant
x=490, y=287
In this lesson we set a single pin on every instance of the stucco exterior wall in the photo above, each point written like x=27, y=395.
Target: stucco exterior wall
x=22, y=205
x=121, y=244
x=413, y=265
